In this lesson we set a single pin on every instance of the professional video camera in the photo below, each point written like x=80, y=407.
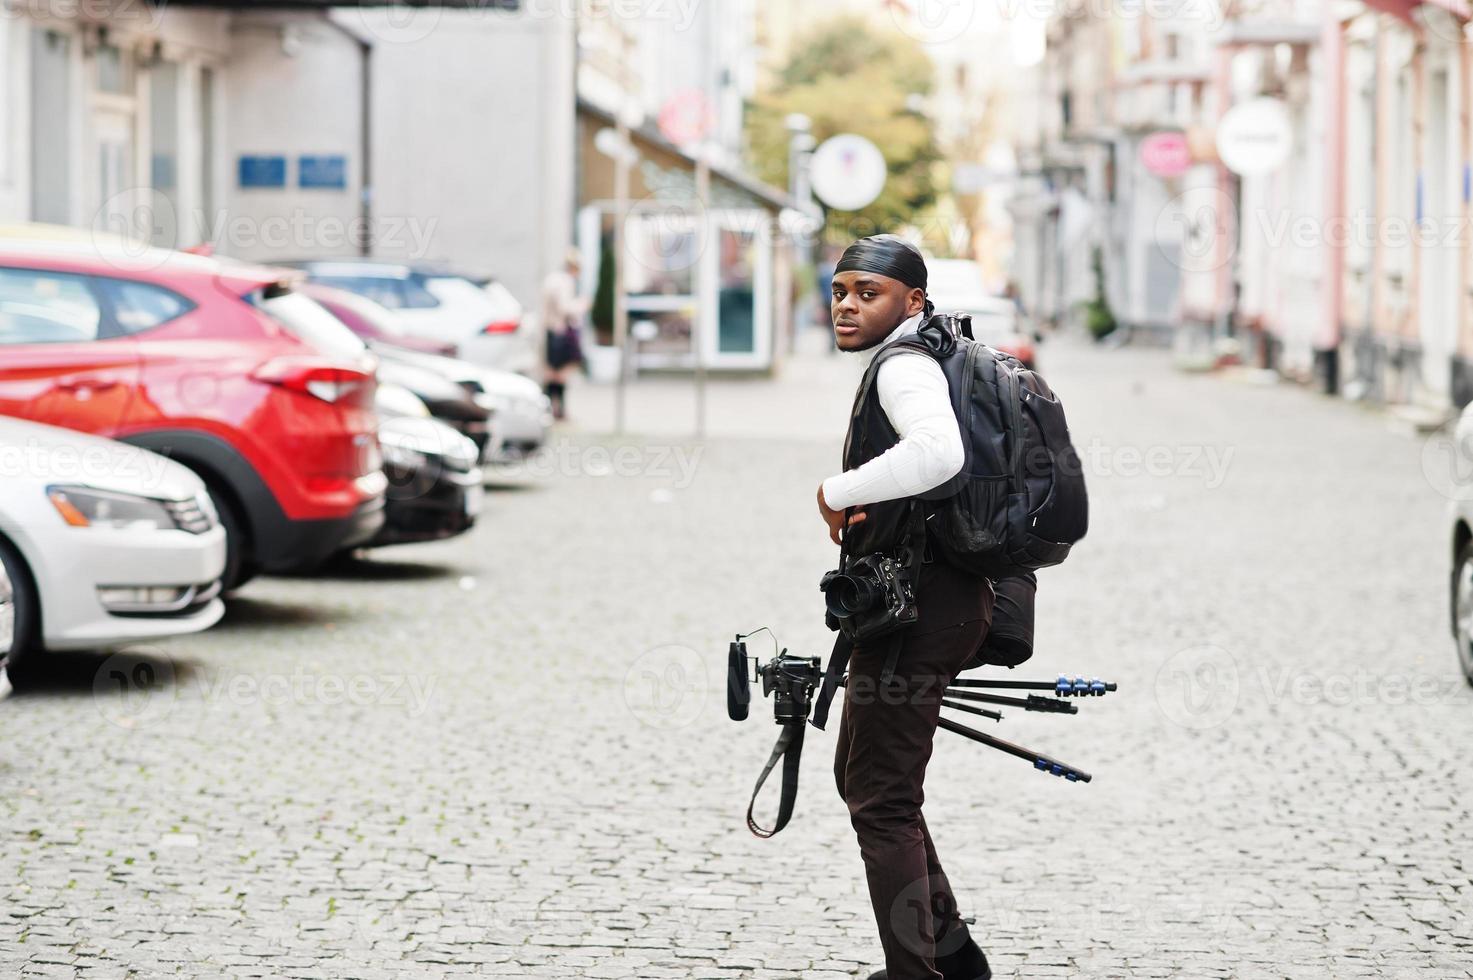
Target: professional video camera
x=791, y=681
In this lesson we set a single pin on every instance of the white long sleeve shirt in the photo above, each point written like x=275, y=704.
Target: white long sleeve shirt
x=915, y=398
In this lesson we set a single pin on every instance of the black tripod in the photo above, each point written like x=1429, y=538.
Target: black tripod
x=1064, y=687
x=963, y=690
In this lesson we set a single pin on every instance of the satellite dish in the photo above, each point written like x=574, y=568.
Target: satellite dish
x=848, y=172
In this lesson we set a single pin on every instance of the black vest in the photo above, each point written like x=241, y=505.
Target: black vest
x=889, y=525
x=944, y=595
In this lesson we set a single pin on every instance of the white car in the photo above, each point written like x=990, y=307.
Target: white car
x=994, y=322
x=484, y=322
x=1457, y=483
x=954, y=278
x=521, y=413
x=100, y=543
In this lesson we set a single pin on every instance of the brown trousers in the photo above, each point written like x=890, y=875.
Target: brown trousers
x=880, y=761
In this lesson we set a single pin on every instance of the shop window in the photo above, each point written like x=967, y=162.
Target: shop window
x=114, y=73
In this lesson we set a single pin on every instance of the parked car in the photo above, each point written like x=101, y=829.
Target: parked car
x=955, y=278
x=373, y=322
x=995, y=322
x=522, y=412
x=484, y=323
x=100, y=543
x=435, y=487
x=1460, y=521
x=221, y=366
x=445, y=400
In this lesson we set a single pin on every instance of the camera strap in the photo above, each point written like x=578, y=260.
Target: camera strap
x=838, y=663
x=789, y=748
x=833, y=675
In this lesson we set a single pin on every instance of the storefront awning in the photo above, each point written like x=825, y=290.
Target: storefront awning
x=598, y=171
x=1404, y=8
x=1266, y=33
x=505, y=6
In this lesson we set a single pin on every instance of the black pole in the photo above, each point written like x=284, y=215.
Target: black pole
x=1031, y=703
x=994, y=715
x=1063, y=686
x=1040, y=761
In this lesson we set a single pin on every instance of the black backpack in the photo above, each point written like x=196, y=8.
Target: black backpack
x=1019, y=502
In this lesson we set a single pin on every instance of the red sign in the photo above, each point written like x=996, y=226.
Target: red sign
x=1166, y=154
x=686, y=118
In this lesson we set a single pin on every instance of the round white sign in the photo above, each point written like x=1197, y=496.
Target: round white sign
x=1255, y=137
x=848, y=172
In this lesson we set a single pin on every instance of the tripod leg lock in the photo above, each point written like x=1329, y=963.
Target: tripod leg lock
x=1078, y=687
x=1060, y=769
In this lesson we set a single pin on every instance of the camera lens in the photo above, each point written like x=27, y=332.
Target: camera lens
x=848, y=595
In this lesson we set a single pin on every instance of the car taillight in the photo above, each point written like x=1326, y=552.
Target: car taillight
x=328, y=382
x=500, y=326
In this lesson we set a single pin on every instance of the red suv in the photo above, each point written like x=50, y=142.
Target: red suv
x=222, y=367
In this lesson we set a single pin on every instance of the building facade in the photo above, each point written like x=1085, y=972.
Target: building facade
x=436, y=134
x=1342, y=257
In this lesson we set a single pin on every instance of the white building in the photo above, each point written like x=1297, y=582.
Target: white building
x=433, y=134
x=97, y=113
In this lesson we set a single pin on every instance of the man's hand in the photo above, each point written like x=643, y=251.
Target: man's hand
x=835, y=518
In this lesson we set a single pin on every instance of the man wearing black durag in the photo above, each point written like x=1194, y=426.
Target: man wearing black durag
x=903, y=441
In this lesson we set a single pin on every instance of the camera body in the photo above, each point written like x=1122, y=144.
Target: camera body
x=870, y=596
x=789, y=680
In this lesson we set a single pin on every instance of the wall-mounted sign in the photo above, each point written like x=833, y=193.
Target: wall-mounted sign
x=848, y=172
x=686, y=117
x=1255, y=137
x=1166, y=154
x=322, y=173
x=262, y=172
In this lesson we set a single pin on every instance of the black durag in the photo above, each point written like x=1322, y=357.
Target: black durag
x=887, y=255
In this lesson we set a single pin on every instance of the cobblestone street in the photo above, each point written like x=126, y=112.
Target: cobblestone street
x=508, y=754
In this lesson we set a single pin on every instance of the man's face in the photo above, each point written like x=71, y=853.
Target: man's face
x=866, y=306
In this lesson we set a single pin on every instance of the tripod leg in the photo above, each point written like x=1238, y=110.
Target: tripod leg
x=1040, y=761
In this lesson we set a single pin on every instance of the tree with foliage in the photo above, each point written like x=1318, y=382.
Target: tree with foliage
x=602, y=311
x=847, y=77
x=1098, y=316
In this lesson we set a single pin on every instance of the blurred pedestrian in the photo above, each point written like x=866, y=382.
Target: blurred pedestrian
x=825, y=272
x=562, y=322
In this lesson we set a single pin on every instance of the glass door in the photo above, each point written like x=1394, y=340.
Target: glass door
x=738, y=270
x=661, y=282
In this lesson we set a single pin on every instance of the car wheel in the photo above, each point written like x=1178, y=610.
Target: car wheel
x=1463, y=609
x=238, y=569
x=18, y=607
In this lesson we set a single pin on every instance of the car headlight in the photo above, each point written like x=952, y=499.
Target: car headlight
x=394, y=401
x=207, y=507
x=89, y=507
x=398, y=454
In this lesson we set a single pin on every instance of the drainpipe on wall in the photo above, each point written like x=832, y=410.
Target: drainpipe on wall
x=1332, y=287
x=365, y=133
x=1227, y=234
x=365, y=108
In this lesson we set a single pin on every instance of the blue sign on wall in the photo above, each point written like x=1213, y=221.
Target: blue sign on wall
x=262, y=171
x=322, y=172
